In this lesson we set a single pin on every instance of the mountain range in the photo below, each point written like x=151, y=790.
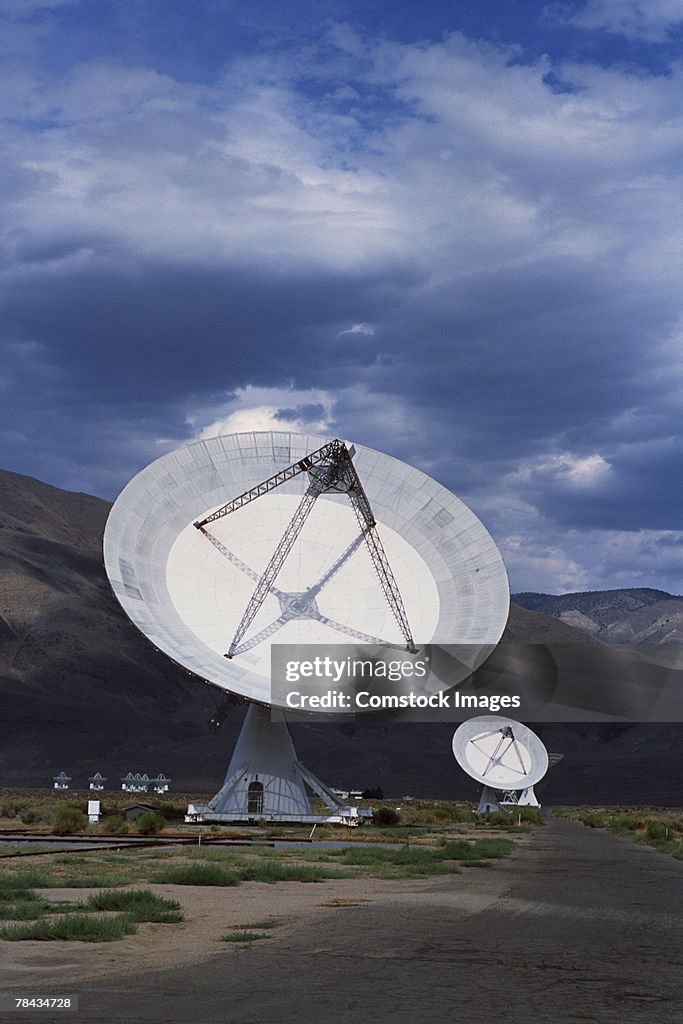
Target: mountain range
x=635, y=616
x=82, y=690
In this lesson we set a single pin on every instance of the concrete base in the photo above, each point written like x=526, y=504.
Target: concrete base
x=348, y=816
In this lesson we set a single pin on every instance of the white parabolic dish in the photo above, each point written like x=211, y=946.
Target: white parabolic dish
x=500, y=752
x=188, y=596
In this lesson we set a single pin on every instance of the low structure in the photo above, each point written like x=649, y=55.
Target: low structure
x=134, y=811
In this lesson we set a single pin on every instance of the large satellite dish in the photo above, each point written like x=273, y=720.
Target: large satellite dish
x=188, y=589
x=505, y=756
x=219, y=549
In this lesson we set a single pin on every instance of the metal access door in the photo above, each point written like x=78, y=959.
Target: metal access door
x=255, y=798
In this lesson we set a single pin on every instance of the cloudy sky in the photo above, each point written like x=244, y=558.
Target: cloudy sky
x=450, y=230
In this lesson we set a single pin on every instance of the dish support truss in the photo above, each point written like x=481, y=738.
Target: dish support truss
x=330, y=468
x=492, y=800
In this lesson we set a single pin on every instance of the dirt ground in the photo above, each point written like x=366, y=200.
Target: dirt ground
x=576, y=926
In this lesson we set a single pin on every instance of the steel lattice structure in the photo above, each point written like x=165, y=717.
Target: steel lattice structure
x=337, y=473
x=325, y=452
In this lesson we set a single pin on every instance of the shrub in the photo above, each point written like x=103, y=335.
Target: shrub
x=140, y=904
x=362, y=855
x=492, y=847
x=629, y=822
x=273, y=871
x=223, y=855
x=656, y=830
x=532, y=815
x=496, y=818
x=150, y=823
x=256, y=926
x=72, y=927
x=415, y=859
x=241, y=936
x=37, y=814
x=464, y=814
x=86, y=879
x=115, y=823
x=442, y=812
x=24, y=909
x=386, y=816
x=374, y=793
x=197, y=874
x=16, y=885
x=69, y=819
x=594, y=819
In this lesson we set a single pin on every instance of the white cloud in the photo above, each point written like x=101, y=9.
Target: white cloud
x=573, y=471
x=357, y=414
x=27, y=8
x=645, y=19
x=358, y=329
x=254, y=408
x=544, y=567
x=480, y=165
x=561, y=562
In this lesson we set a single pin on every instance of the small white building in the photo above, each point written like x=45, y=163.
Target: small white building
x=93, y=811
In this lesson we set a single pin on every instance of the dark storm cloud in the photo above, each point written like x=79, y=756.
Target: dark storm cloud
x=555, y=349
x=306, y=413
x=121, y=353
x=129, y=331
x=424, y=247
x=640, y=491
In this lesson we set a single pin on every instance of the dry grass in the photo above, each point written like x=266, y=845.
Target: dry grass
x=656, y=827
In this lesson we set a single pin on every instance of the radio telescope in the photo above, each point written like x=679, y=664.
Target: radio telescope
x=506, y=757
x=222, y=548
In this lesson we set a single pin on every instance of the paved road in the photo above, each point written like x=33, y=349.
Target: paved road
x=579, y=926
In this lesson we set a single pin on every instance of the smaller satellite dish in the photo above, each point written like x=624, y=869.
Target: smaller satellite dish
x=500, y=753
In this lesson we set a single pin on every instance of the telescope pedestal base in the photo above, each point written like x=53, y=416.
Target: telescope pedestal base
x=266, y=782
